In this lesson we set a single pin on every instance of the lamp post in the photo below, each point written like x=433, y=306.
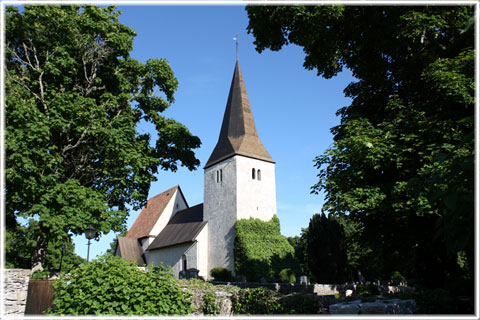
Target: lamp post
x=90, y=233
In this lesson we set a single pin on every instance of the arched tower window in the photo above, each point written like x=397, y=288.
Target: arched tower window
x=218, y=176
x=221, y=175
x=253, y=173
x=259, y=175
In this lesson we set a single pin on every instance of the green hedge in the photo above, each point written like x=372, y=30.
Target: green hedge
x=221, y=274
x=260, y=250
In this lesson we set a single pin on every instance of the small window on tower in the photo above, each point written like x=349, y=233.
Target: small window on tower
x=253, y=173
x=259, y=175
x=218, y=176
x=221, y=175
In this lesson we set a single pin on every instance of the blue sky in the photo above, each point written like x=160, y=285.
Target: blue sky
x=293, y=108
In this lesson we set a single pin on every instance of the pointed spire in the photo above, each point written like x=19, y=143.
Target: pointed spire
x=238, y=135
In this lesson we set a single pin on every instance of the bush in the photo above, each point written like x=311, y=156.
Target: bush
x=40, y=275
x=114, y=286
x=221, y=274
x=365, y=290
x=260, y=250
x=286, y=275
x=397, y=276
x=256, y=301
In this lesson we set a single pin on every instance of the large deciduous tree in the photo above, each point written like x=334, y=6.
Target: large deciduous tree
x=74, y=102
x=401, y=164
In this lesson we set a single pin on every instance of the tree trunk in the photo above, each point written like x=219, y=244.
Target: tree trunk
x=38, y=257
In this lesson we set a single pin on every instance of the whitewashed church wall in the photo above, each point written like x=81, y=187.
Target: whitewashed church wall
x=255, y=198
x=172, y=256
x=219, y=209
x=175, y=204
x=202, y=253
x=145, y=244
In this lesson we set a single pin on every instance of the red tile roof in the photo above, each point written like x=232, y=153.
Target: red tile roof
x=149, y=216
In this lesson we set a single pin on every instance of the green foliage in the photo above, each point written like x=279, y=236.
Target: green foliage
x=299, y=304
x=40, y=275
x=74, y=99
x=113, y=244
x=326, y=253
x=365, y=290
x=299, y=245
x=20, y=243
x=256, y=301
x=397, y=276
x=401, y=166
x=114, y=286
x=210, y=305
x=221, y=274
x=286, y=275
x=260, y=250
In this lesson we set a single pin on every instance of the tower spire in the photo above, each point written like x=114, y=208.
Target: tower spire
x=238, y=135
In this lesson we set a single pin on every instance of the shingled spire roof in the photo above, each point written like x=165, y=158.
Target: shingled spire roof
x=238, y=135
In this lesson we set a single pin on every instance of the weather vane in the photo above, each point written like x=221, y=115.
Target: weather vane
x=236, y=43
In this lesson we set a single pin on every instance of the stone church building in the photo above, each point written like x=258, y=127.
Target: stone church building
x=239, y=183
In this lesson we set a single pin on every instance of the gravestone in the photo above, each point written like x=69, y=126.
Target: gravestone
x=303, y=280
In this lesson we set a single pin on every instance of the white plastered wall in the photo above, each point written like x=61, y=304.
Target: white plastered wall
x=236, y=196
x=219, y=209
x=202, y=253
x=255, y=198
x=172, y=256
x=175, y=204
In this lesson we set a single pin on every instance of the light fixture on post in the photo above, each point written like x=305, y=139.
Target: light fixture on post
x=90, y=233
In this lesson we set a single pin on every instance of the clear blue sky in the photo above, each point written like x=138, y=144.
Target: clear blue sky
x=293, y=108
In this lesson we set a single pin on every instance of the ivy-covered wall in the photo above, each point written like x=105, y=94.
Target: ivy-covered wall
x=260, y=250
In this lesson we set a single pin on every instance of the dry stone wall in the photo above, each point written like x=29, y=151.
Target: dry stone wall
x=15, y=290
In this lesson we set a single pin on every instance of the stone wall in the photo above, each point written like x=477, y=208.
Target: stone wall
x=15, y=290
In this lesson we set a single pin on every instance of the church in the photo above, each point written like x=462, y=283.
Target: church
x=239, y=183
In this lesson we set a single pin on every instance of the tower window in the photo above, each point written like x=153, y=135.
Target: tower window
x=259, y=175
x=221, y=175
x=253, y=173
x=218, y=177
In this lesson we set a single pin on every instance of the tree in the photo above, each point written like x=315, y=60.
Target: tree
x=20, y=243
x=325, y=248
x=74, y=101
x=299, y=244
x=401, y=165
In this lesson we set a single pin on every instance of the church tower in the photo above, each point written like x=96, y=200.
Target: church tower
x=239, y=177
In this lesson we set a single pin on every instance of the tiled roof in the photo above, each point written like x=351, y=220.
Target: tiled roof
x=238, y=134
x=130, y=250
x=182, y=228
x=148, y=217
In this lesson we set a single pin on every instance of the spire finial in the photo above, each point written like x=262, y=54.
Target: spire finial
x=236, y=44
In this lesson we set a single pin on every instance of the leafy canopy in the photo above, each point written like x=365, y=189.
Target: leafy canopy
x=401, y=165
x=75, y=103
